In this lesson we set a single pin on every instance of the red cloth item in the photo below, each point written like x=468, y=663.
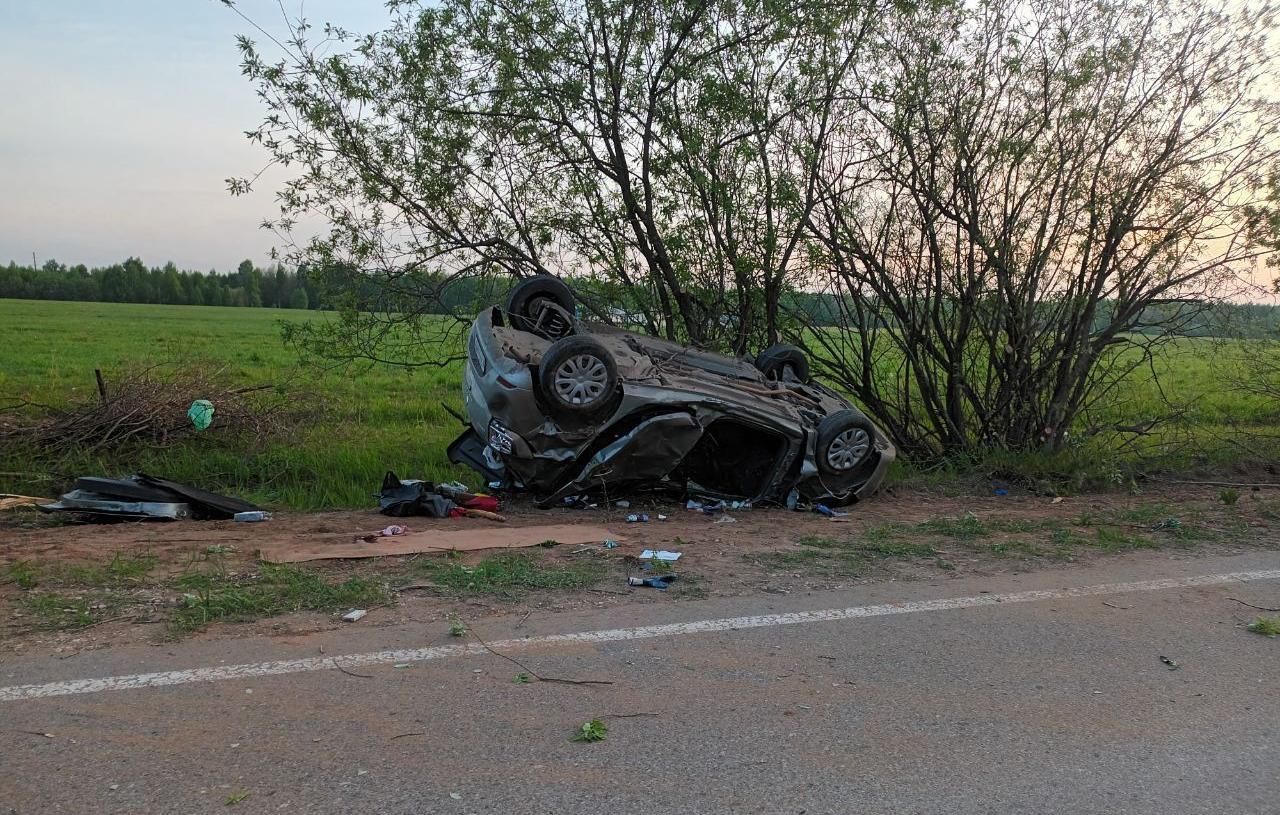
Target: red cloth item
x=486, y=502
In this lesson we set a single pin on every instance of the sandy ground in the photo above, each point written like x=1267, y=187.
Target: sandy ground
x=724, y=559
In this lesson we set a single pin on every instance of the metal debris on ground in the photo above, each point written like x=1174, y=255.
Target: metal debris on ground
x=354, y=614
x=144, y=497
x=253, y=516
x=610, y=544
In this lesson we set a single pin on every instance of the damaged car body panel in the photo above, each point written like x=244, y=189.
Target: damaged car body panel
x=561, y=407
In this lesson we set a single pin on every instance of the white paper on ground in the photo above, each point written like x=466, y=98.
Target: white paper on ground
x=661, y=554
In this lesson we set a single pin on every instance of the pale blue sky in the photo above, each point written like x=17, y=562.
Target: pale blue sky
x=120, y=121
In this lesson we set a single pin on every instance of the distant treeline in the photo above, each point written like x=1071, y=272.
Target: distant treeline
x=132, y=282
x=278, y=287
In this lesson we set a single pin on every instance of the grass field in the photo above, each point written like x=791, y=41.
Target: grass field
x=369, y=420
x=373, y=419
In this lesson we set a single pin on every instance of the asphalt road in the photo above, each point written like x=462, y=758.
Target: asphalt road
x=959, y=696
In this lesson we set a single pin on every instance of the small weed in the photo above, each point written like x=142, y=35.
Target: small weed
x=966, y=527
x=1112, y=539
x=945, y=565
x=121, y=570
x=457, y=629
x=504, y=573
x=593, y=730
x=1266, y=626
x=1229, y=497
x=1066, y=537
x=276, y=590
x=236, y=797
x=902, y=549
x=24, y=574
x=219, y=549
x=56, y=611
x=522, y=679
x=1009, y=547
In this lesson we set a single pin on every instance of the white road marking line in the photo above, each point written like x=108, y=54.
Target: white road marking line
x=71, y=687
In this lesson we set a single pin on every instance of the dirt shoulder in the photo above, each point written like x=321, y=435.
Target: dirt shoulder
x=68, y=588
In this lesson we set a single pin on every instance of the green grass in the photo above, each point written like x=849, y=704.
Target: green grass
x=55, y=612
x=212, y=596
x=371, y=418
x=365, y=420
x=510, y=574
x=1266, y=626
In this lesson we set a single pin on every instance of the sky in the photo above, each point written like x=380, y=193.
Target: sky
x=122, y=121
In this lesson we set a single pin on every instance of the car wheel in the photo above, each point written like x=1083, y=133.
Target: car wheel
x=531, y=302
x=577, y=378
x=783, y=363
x=845, y=440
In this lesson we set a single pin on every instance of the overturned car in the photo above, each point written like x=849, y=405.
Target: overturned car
x=563, y=407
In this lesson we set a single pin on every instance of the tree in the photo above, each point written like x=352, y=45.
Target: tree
x=171, y=290
x=298, y=299
x=1041, y=193
x=1005, y=203
x=668, y=150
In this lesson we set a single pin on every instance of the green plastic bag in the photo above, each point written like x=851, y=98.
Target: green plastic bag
x=201, y=414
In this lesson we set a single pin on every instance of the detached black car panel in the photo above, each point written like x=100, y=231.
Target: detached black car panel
x=562, y=407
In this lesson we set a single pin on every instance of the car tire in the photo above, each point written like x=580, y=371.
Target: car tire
x=775, y=360
x=578, y=378
x=845, y=441
x=526, y=305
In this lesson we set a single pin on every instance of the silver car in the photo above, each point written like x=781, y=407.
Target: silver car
x=563, y=407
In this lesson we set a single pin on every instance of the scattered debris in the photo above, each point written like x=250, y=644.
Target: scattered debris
x=469, y=540
x=413, y=497
x=407, y=735
x=1173, y=666
x=144, y=497
x=253, y=516
x=662, y=517
x=9, y=501
x=1113, y=605
x=529, y=672
x=610, y=544
x=456, y=796
x=661, y=554
x=1057, y=499
x=592, y=730
x=726, y=519
x=1166, y=523
x=201, y=414
x=824, y=510
x=622, y=504
x=656, y=582
x=354, y=614
x=642, y=518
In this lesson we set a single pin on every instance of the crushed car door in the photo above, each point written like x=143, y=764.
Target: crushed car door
x=646, y=453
